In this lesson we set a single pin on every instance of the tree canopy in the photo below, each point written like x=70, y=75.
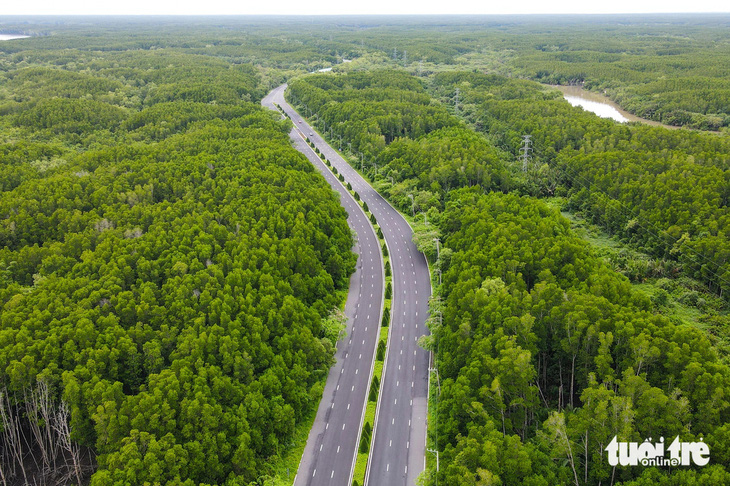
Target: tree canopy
x=167, y=266
x=545, y=354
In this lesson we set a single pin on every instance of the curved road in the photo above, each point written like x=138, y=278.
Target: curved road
x=331, y=449
x=398, y=453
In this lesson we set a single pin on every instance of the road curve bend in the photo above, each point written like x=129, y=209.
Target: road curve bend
x=331, y=449
x=397, y=456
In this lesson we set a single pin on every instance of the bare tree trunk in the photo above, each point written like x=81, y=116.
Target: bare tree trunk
x=563, y=433
x=50, y=436
x=12, y=434
x=33, y=406
x=560, y=390
x=544, y=400
x=572, y=381
x=48, y=412
x=544, y=371
x=2, y=474
x=586, y=455
x=60, y=425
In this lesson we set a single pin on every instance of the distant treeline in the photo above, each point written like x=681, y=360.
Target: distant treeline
x=669, y=68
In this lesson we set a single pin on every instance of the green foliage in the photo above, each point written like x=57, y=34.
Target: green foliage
x=625, y=178
x=547, y=353
x=168, y=264
x=165, y=119
x=381, y=351
x=365, y=437
x=364, y=444
x=388, y=291
x=388, y=116
x=333, y=327
x=70, y=116
x=373, y=393
x=653, y=75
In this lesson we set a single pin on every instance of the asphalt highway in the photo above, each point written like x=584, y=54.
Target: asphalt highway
x=398, y=453
x=330, y=453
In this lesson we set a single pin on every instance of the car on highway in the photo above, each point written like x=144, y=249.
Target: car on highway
x=300, y=121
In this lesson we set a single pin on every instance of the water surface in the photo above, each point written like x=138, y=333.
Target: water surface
x=12, y=36
x=600, y=105
x=601, y=109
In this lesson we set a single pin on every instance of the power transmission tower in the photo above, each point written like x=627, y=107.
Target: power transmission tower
x=405, y=58
x=525, y=151
x=420, y=67
x=395, y=54
x=456, y=102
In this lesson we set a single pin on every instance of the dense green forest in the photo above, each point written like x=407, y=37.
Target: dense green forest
x=167, y=265
x=391, y=123
x=673, y=73
x=545, y=354
x=670, y=68
x=546, y=351
x=168, y=262
x=665, y=191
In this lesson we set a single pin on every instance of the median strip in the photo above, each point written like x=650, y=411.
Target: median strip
x=366, y=433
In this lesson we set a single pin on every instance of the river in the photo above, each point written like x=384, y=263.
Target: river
x=12, y=36
x=601, y=105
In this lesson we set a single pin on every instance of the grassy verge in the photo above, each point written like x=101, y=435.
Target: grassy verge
x=426, y=477
x=285, y=467
x=362, y=457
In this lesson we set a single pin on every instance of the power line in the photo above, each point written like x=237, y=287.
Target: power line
x=525, y=151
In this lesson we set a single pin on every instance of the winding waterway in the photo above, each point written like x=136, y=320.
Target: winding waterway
x=600, y=105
